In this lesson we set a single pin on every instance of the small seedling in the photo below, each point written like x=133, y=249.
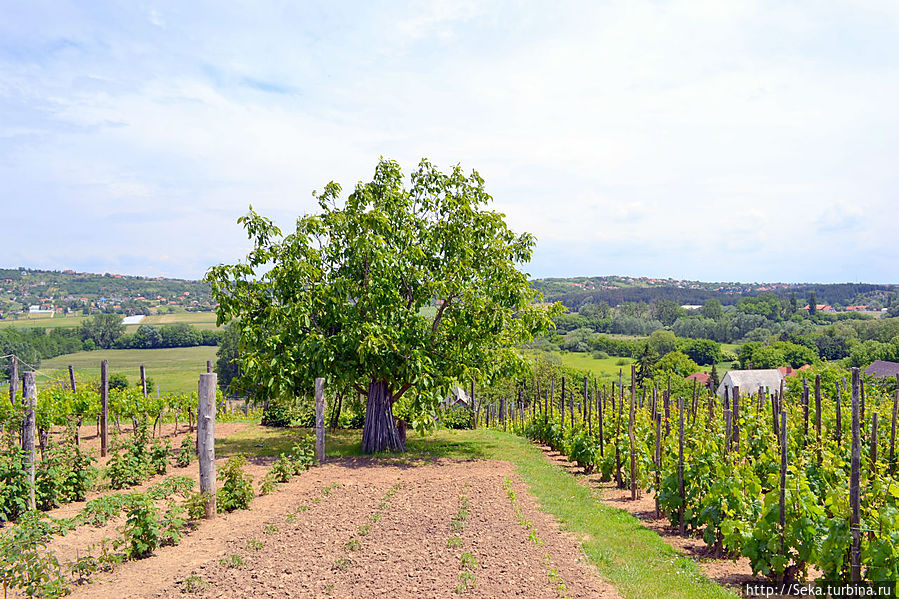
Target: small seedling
x=254, y=544
x=290, y=518
x=194, y=583
x=468, y=561
x=375, y=517
x=454, y=542
x=302, y=508
x=364, y=530
x=270, y=529
x=342, y=564
x=352, y=545
x=233, y=561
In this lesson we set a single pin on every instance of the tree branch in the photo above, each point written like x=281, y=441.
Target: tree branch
x=402, y=390
x=439, y=316
x=360, y=389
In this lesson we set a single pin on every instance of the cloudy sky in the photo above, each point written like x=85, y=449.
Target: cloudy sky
x=750, y=141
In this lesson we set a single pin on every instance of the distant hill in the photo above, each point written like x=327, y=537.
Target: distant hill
x=81, y=292
x=615, y=290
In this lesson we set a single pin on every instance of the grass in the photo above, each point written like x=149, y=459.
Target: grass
x=636, y=560
x=43, y=322
x=200, y=320
x=606, y=368
x=175, y=370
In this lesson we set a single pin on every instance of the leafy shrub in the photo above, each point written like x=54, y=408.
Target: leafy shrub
x=142, y=532
x=186, y=452
x=14, y=487
x=195, y=504
x=25, y=563
x=159, y=457
x=132, y=466
x=278, y=414
x=457, y=418
x=237, y=489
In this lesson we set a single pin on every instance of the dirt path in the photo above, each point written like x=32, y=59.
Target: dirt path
x=723, y=570
x=365, y=528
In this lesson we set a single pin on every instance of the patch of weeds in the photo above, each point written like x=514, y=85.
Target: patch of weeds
x=375, y=517
x=290, y=518
x=384, y=506
x=552, y=574
x=254, y=545
x=316, y=500
x=270, y=529
x=363, y=530
x=454, y=542
x=343, y=564
x=194, y=584
x=233, y=561
x=352, y=545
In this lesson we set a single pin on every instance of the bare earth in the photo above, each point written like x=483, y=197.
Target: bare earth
x=366, y=528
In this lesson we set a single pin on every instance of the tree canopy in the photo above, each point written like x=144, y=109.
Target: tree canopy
x=396, y=289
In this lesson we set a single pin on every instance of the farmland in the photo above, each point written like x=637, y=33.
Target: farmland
x=174, y=369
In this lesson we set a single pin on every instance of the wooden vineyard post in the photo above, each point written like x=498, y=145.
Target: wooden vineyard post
x=209, y=366
x=728, y=430
x=571, y=407
x=319, y=420
x=680, y=464
x=72, y=378
x=552, y=395
x=474, y=405
x=805, y=405
x=712, y=395
x=693, y=404
x=657, y=419
x=502, y=411
x=206, y=438
x=783, y=480
x=873, y=448
x=630, y=432
x=586, y=403
x=855, y=567
x=599, y=414
x=893, y=428
x=30, y=396
x=562, y=407
x=143, y=380
x=13, y=378
x=839, y=406
x=774, y=416
x=818, y=407
x=666, y=399
x=861, y=400
x=104, y=407
x=735, y=417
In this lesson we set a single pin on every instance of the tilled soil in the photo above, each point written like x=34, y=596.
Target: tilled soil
x=372, y=528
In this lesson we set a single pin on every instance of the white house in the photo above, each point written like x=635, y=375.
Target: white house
x=749, y=381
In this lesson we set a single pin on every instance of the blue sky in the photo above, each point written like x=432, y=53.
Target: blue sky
x=751, y=141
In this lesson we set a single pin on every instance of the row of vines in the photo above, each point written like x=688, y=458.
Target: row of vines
x=765, y=474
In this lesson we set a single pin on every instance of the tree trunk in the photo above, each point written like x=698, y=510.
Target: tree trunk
x=380, y=432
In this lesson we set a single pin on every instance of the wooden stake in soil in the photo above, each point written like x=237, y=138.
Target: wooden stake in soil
x=839, y=406
x=893, y=428
x=735, y=414
x=873, y=448
x=562, y=406
x=599, y=407
x=143, y=380
x=319, y=420
x=680, y=464
x=783, y=480
x=728, y=430
x=630, y=432
x=104, y=406
x=13, y=378
x=208, y=366
x=657, y=419
x=30, y=392
x=855, y=557
x=72, y=378
x=206, y=437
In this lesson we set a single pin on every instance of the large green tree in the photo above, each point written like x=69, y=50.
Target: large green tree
x=103, y=329
x=401, y=288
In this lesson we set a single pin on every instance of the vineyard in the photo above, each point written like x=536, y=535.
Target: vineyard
x=800, y=480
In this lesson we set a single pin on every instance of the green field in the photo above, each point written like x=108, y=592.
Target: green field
x=175, y=370
x=43, y=322
x=200, y=320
